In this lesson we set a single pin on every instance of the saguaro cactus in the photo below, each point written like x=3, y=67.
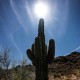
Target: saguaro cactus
x=39, y=55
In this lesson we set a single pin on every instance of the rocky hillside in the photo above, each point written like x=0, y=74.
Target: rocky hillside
x=65, y=67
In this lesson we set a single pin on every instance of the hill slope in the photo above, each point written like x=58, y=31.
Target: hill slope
x=66, y=67
x=62, y=68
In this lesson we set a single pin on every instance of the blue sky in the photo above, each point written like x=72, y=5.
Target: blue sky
x=18, y=25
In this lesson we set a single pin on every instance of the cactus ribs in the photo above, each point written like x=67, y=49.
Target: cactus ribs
x=39, y=55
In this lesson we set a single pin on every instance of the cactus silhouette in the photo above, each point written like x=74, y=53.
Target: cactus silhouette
x=39, y=55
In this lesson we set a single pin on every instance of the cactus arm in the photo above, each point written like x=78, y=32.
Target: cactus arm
x=51, y=51
x=31, y=56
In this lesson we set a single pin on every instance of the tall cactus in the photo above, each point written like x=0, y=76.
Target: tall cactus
x=39, y=55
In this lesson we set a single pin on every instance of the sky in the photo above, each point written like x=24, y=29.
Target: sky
x=19, y=25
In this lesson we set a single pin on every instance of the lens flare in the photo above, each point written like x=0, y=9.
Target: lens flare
x=41, y=10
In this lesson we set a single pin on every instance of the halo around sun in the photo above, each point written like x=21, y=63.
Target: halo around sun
x=41, y=10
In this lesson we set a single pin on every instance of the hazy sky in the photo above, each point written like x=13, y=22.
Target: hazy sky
x=18, y=25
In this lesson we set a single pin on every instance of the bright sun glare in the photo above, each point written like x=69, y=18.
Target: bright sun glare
x=41, y=10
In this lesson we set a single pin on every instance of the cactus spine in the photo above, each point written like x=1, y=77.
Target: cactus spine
x=39, y=55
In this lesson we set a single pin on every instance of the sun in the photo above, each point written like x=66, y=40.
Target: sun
x=41, y=10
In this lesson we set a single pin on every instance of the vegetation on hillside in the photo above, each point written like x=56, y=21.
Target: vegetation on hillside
x=62, y=68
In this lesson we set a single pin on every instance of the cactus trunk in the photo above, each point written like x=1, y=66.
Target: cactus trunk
x=39, y=55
